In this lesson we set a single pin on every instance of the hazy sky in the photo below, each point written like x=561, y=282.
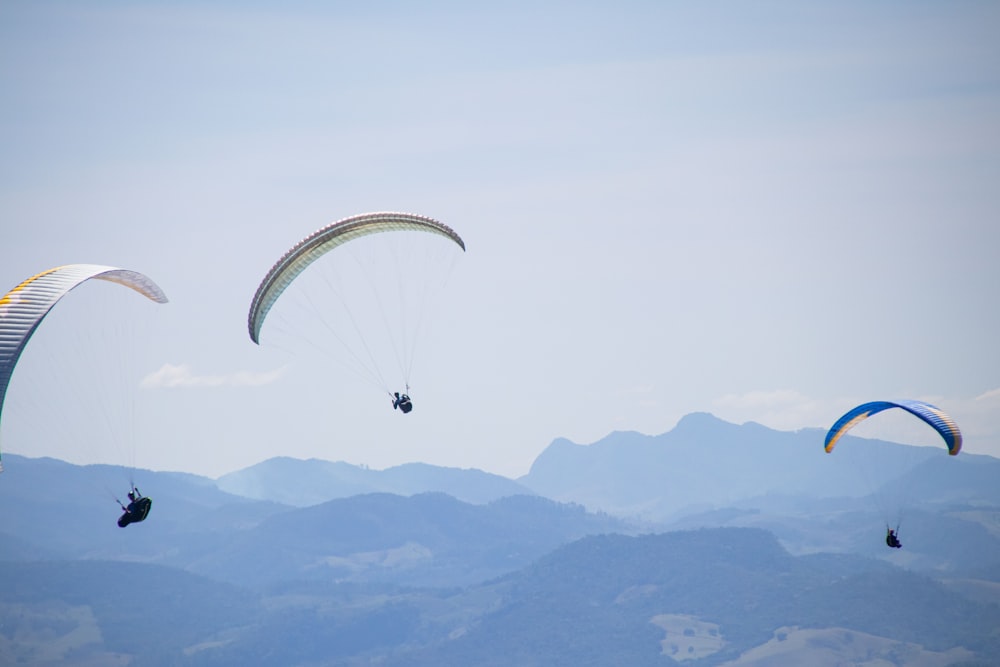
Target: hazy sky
x=769, y=211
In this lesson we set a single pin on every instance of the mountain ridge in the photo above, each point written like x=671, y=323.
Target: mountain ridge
x=705, y=462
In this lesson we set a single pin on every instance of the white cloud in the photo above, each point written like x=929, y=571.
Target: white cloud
x=992, y=395
x=171, y=376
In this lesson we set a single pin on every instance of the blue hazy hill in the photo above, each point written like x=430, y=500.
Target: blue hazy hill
x=793, y=558
x=423, y=538
x=68, y=511
x=705, y=472
x=428, y=539
x=705, y=596
x=709, y=596
x=309, y=482
x=706, y=463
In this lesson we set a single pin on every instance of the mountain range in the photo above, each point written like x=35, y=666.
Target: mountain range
x=712, y=544
x=303, y=483
x=706, y=463
x=726, y=596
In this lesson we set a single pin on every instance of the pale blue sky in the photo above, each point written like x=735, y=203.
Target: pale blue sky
x=767, y=211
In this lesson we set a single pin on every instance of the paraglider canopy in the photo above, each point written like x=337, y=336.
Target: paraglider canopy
x=23, y=308
x=932, y=415
x=322, y=241
x=359, y=293
x=891, y=497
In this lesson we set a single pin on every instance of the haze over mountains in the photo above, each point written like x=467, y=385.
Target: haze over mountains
x=705, y=462
x=711, y=544
x=302, y=483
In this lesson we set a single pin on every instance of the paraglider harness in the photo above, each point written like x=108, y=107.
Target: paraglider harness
x=137, y=509
x=401, y=402
x=892, y=538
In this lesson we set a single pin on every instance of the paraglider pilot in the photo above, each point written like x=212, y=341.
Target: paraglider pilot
x=137, y=509
x=401, y=402
x=891, y=540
